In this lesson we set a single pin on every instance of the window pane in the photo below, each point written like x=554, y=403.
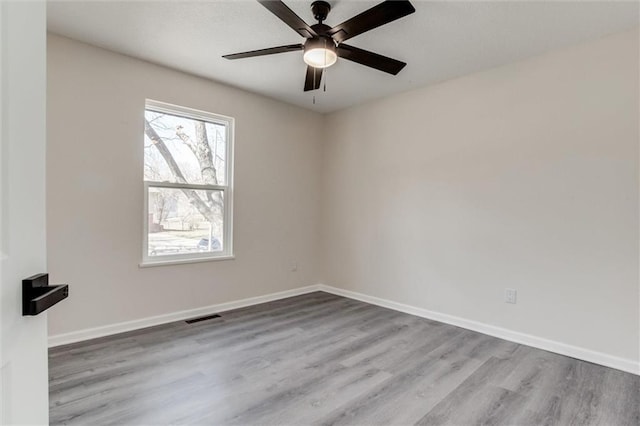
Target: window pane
x=180, y=149
x=184, y=221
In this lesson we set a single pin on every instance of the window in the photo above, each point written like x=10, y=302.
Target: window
x=187, y=182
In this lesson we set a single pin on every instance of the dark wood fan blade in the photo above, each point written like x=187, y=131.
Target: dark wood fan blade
x=262, y=52
x=375, y=17
x=289, y=17
x=312, y=80
x=370, y=59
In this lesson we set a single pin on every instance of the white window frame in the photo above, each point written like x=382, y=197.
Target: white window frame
x=227, y=190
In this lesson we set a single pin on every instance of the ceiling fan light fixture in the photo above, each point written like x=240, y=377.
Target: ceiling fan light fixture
x=320, y=53
x=324, y=44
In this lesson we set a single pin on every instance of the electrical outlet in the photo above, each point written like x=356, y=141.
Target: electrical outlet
x=510, y=295
x=294, y=266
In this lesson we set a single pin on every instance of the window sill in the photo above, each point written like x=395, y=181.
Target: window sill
x=152, y=263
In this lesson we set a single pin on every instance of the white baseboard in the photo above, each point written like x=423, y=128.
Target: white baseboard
x=601, y=358
x=121, y=327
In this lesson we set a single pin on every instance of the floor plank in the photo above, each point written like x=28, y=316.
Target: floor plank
x=321, y=359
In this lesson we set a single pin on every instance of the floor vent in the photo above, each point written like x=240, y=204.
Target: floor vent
x=208, y=317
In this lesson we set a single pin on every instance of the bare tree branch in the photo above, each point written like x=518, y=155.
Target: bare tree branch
x=157, y=141
x=205, y=159
x=202, y=207
x=186, y=139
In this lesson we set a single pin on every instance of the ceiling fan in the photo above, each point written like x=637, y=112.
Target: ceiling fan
x=324, y=45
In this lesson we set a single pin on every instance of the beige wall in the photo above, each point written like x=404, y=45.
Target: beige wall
x=524, y=176
x=95, y=194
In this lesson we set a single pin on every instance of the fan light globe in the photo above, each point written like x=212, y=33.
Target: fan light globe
x=320, y=52
x=320, y=57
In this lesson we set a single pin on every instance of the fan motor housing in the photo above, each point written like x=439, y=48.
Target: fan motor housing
x=321, y=29
x=321, y=42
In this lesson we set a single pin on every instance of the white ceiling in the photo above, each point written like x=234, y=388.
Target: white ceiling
x=441, y=40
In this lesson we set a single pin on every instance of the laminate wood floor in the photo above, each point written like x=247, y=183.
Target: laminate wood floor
x=326, y=360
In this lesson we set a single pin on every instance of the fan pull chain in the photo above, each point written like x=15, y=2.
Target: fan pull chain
x=325, y=65
x=326, y=73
